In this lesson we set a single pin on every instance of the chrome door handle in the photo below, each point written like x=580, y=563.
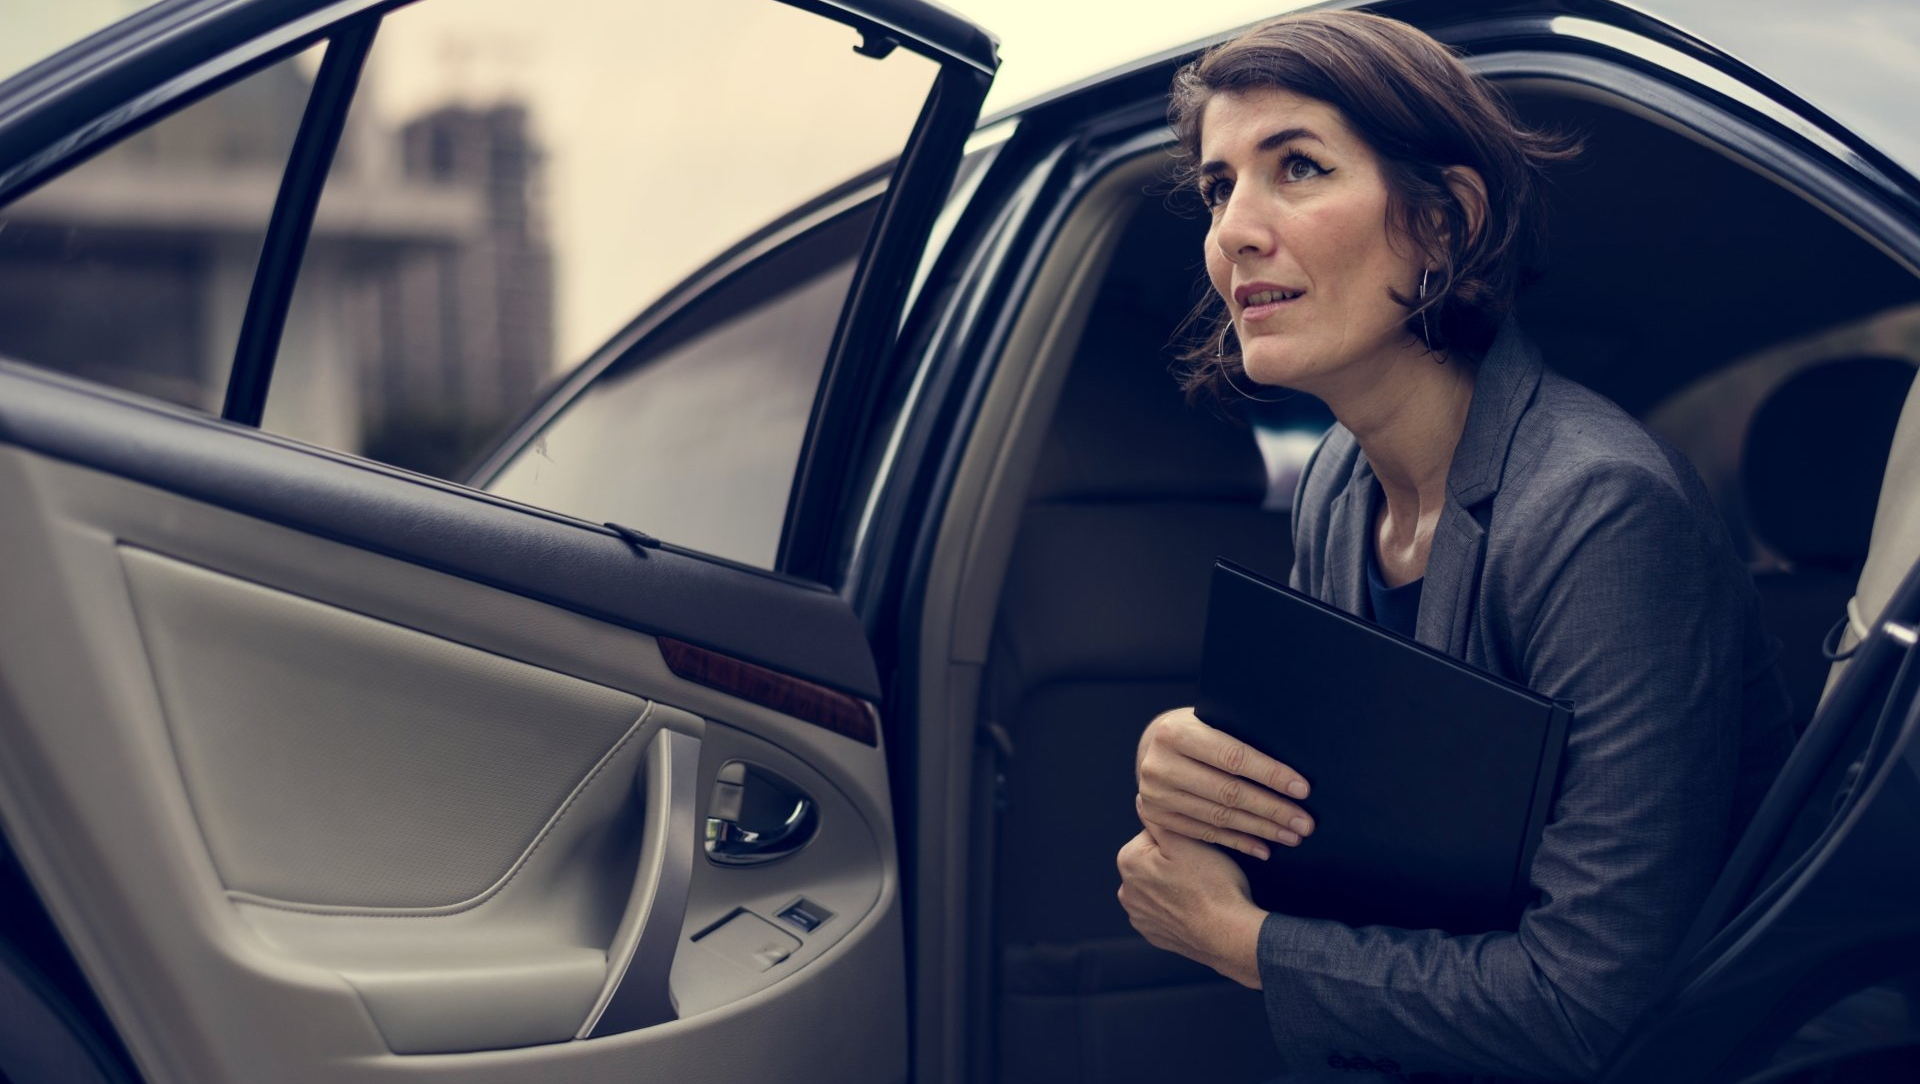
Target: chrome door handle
x=756, y=816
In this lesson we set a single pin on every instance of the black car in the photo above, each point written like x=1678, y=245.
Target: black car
x=756, y=699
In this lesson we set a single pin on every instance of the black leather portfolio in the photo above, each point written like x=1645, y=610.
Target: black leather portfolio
x=1430, y=779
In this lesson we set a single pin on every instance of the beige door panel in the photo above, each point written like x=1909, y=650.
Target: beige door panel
x=310, y=813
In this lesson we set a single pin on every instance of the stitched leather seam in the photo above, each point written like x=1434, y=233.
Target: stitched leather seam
x=444, y=910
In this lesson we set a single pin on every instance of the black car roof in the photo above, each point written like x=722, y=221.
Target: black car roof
x=1857, y=61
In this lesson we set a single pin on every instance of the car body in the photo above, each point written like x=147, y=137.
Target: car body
x=318, y=768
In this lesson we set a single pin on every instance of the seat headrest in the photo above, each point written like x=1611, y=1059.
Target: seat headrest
x=1814, y=454
x=1123, y=428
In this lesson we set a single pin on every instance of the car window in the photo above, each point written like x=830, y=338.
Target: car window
x=517, y=183
x=134, y=267
x=694, y=436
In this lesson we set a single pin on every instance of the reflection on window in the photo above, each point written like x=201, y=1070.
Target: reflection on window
x=133, y=268
x=696, y=437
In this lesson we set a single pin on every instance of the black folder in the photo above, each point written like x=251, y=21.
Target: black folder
x=1430, y=779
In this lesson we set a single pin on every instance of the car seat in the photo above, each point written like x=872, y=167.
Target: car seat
x=1894, y=543
x=1817, y=518
x=1776, y=909
x=1099, y=628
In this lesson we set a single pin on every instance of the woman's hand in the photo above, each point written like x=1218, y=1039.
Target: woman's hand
x=1202, y=784
x=1189, y=898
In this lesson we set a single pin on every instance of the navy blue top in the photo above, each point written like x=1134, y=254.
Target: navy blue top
x=1393, y=608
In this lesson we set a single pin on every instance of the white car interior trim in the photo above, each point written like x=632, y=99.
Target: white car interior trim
x=209, y=990
x=1895, y=546
x=522, y=969
x=637, y=992
x=344, y=763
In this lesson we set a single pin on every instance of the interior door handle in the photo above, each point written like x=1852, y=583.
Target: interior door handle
x=640, y=960
x=755, y=816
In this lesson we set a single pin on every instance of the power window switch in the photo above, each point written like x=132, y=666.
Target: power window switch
x=805, y=915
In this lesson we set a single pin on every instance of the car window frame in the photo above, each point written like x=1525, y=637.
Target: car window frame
x=139, y=71
x=664, y=314
x=841, y=222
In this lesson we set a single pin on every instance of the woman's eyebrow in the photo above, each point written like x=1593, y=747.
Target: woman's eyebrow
x=1276, y=140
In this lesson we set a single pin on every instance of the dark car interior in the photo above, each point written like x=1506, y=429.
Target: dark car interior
x=1672, y=267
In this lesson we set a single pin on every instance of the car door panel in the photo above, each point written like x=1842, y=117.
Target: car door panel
x=420, y=521
x=309, y=809
x=329, y=771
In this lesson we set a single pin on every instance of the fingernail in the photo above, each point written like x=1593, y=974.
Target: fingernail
x=1261, y=852
x=1297, y=788
x=1289, y=839
x=1301, y=825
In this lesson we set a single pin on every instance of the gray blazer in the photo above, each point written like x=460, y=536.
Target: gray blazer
x=1580, y=555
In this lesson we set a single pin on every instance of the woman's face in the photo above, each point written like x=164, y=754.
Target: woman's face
x=1299, y=247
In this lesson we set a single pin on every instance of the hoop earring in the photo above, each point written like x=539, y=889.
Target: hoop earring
x=1426, y=329
x=1226, y=371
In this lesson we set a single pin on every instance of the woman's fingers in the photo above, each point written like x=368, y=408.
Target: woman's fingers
x=1181, y=732
x=1195, y=810
x=1238, y=758
x=1201, y=783
x=1201, y=791
x=1207, y=833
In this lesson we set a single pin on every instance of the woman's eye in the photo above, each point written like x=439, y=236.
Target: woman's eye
x=1213, y=193
x=1298, y=167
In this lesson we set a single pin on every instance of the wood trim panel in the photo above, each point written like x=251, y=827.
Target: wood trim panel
x=839, y=712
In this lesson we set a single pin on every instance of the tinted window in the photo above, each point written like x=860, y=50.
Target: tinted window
x=134, y=268
x=518, y=182
x=694, y=436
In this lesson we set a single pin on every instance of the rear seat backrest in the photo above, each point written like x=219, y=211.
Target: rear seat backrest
x=1818, y=519
x=1895, y=542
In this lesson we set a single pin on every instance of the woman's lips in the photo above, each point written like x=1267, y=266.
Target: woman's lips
x=1261, y=304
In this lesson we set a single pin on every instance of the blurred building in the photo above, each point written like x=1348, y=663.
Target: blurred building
x=426, y=295
x=462, y=337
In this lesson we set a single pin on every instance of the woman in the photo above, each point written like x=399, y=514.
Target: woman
x=1373, y=208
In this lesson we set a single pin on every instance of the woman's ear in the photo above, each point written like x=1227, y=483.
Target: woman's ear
x=1470, y=191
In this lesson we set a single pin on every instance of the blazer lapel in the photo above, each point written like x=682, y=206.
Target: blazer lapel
x=1453, y=571
x=1503, y=388
x=1352, y=516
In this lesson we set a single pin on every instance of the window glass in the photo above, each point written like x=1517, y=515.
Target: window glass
x=134, y=267
x=1288, y=429
x=694, y=437
x=518, y=182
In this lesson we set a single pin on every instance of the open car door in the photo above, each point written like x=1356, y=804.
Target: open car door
x=1804, y=964
x=327, y=771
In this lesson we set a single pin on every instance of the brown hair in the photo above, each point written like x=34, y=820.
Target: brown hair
x=1420, y=111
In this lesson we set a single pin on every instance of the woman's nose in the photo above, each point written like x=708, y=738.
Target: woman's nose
x=1242, y=230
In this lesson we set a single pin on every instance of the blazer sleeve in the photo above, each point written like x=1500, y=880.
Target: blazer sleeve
x=1631, y=610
